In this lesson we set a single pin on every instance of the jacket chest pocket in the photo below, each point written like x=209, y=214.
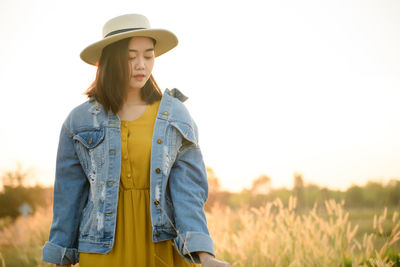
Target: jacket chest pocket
x=90, y=149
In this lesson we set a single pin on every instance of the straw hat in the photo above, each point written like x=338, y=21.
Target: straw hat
x=126, y=26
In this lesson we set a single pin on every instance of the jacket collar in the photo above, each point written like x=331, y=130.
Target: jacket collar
x=176, y=93
x=167, y=110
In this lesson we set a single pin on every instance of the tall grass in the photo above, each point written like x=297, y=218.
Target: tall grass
x=273, y=235
x=21, y=242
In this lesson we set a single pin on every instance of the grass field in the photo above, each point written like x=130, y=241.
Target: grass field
x=273, y=235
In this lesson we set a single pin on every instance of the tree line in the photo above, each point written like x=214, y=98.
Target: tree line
x=372, y=194
x=15, y=196
x=18, y=199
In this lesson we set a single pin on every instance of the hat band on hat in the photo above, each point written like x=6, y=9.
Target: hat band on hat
x=121, y=31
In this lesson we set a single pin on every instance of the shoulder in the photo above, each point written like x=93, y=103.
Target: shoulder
x=81, y=108
x=177, y=112
x=174, y=101
x=82, y=115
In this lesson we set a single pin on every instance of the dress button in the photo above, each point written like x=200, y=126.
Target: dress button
x=158, y=170
x=156, y=202
x=125, y=157
x=159, y=141
x=129, y=175
x=165, y=113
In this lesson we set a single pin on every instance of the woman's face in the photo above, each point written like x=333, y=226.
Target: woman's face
x=141, y=61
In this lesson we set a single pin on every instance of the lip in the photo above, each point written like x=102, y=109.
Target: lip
x=139, y=77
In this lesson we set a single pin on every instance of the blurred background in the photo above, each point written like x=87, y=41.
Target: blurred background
x=292, y=98
x=275, y=87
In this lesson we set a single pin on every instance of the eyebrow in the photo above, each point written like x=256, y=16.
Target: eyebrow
x=147, y=50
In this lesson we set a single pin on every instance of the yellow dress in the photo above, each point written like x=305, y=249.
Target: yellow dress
x=133, y=244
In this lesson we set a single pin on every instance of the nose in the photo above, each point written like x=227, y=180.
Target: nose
x=139, y=63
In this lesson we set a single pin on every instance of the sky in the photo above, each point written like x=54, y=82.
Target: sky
x=275, y=87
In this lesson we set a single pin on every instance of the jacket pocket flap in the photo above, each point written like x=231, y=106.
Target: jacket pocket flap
x=186, y=131
x=90, y=138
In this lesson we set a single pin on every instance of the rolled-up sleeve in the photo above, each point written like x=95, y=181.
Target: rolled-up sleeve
x=70, y=195
x=189, y=192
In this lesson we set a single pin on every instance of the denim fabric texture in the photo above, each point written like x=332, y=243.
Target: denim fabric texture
x=88, y=174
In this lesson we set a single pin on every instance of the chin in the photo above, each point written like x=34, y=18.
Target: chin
x=136, y=86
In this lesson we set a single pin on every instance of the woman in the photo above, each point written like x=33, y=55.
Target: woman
x=130, y=180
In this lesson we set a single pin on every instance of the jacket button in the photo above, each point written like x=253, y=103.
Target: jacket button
x=157, y=234
x=165, y=113
x=159, y=141
x=158, y=170
x=156, y=202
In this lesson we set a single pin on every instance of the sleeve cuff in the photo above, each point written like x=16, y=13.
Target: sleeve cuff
x=194, y=241
x=59, y=255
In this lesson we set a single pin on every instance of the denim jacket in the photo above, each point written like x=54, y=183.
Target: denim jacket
x=88, y=174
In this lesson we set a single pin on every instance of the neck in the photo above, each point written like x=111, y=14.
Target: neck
x=133, y=97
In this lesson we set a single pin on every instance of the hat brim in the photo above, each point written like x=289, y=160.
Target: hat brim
x=165, y=41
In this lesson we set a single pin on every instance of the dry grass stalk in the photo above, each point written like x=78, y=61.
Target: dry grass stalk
x=3, y=264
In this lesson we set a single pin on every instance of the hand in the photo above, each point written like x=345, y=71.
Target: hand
x=208, y=260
